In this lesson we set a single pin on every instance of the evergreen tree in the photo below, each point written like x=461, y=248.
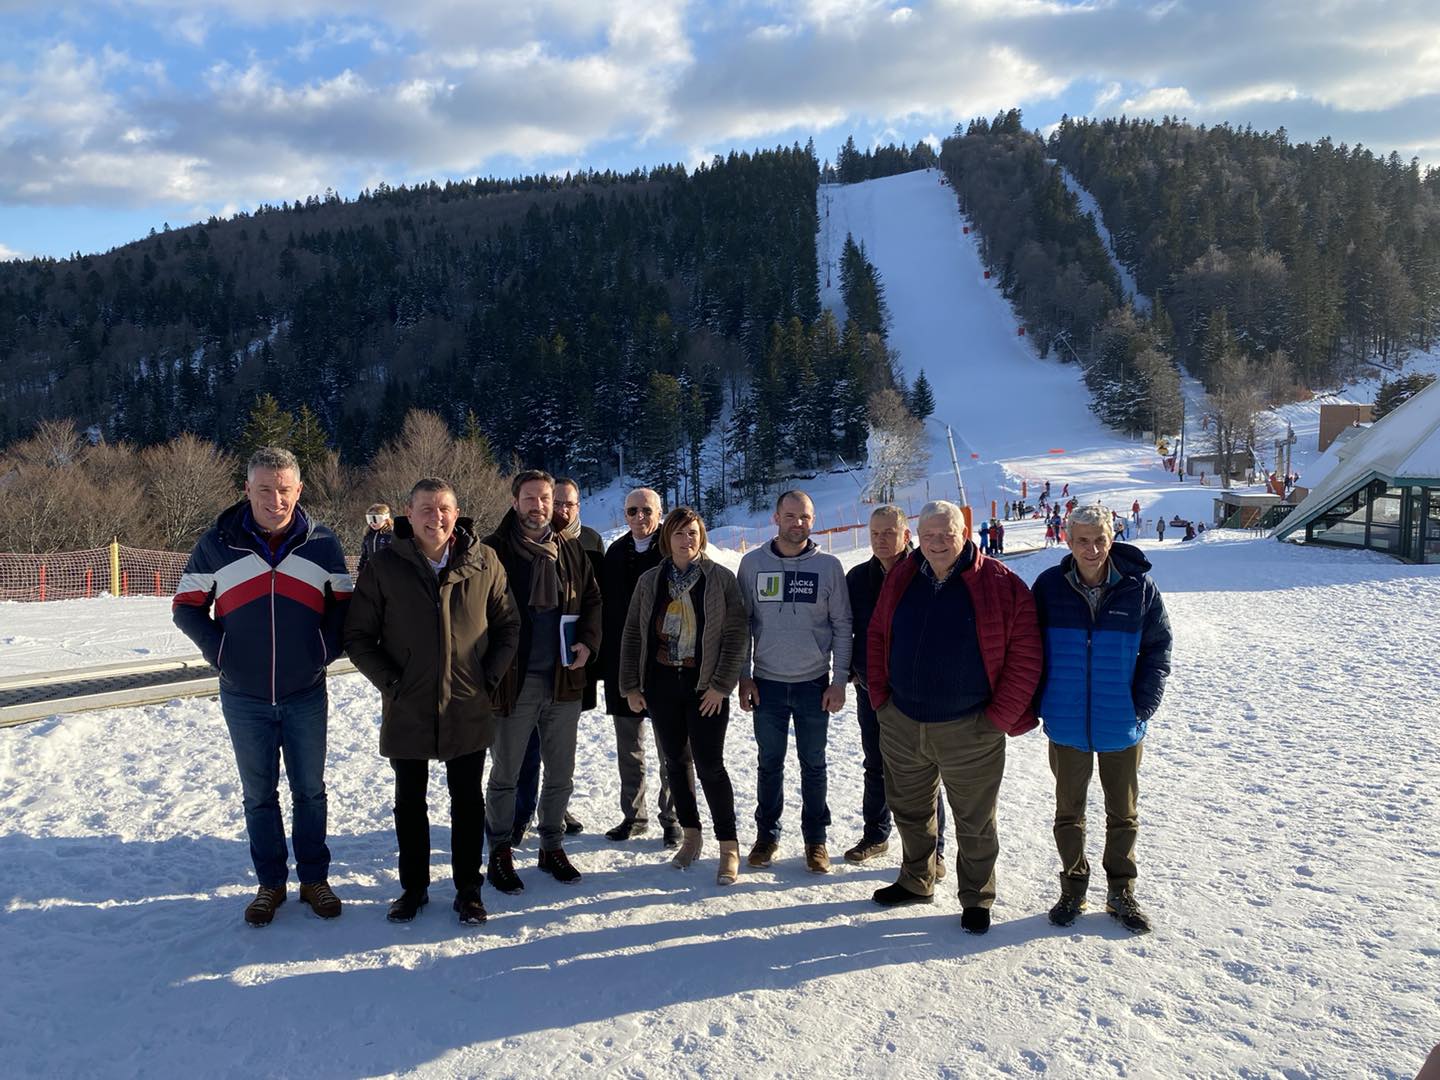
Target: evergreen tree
x=922, y=399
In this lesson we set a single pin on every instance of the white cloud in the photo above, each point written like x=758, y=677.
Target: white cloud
x=447, y=86
x=7, y=253
x=1173, y=100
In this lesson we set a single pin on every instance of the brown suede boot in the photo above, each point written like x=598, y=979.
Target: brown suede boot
x=729, y=862
x=689, y=849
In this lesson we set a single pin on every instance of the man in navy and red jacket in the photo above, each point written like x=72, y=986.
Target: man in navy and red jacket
x=954, y=658
x=279, y=589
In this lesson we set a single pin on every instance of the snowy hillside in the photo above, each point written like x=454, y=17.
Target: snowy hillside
x=1288, y=848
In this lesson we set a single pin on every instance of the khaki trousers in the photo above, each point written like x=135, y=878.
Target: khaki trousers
x=1119, y=779
x=968, y=757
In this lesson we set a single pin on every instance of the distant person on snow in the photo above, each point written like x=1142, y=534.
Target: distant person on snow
x=279, y=589
x=434, y=627
x=997, y=538
x=1160, y=529
x=1135, y=512
x=985, y=537
x=1107, y=656
x=953, y=661
x=379, y=531
x=1189, y=531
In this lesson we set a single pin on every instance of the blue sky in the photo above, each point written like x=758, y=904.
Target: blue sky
x=119, y=117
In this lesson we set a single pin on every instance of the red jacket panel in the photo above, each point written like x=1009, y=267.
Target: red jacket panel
x=1005, y=624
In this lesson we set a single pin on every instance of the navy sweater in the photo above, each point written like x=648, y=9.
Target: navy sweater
x=936, y=670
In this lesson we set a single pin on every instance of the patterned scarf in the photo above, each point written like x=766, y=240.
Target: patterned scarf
x=679, y=625
x=572, y=531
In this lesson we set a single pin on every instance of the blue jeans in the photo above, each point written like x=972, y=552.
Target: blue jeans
x=261, y=733
x=873, y=808
x=779, y=702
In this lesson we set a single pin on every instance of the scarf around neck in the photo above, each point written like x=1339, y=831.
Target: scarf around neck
x=679, y=625
x=572, y=531
x=544, y=556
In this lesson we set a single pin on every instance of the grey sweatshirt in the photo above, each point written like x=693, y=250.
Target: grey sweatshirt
x=799, y=612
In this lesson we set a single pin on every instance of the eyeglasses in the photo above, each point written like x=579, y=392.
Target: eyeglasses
x=631, y=511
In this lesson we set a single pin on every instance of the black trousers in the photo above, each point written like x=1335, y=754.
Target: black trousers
x=467, y=820
x=674, y=709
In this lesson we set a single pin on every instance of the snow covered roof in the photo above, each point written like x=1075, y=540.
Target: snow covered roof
x=1403, y=446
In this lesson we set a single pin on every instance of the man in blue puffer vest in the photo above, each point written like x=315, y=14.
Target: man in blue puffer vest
x=264, y=596
x=1107, y=656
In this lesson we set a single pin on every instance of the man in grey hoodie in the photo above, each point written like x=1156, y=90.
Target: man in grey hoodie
x=799, y=608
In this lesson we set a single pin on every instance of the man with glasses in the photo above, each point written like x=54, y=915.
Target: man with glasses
x=629, y=557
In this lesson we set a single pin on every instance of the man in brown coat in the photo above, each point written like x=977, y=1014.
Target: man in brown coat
x=436, y=677
x=559, y=604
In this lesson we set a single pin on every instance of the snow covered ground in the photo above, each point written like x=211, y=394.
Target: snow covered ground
x=1288, y=846
x=1288, y=852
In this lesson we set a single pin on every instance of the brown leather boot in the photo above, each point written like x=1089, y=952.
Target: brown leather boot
x=729, y=862
x=689, y=849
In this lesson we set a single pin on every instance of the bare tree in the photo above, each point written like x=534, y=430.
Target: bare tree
x=188, y=481
x=426, y=447
x=896, y=447
x=1236, y=399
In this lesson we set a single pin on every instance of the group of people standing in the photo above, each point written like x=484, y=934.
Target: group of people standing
x=496, y=645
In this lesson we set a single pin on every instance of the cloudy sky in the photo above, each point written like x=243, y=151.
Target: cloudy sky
x=116, y=117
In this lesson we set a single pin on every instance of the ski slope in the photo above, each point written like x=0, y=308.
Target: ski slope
x=1288, y=848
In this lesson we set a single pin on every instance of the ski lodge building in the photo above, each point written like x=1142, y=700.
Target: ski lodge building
x=1384, y=490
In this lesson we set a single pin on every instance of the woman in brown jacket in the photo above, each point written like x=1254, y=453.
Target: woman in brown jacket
x=680, y=657
x=433, y=626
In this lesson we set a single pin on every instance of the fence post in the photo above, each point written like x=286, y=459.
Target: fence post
x=42, y=582
x=89, y=582
x=157, y=583
x=125, y=583
x=116, y=585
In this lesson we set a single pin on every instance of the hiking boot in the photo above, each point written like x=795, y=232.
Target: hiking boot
x=502, y=872
x=939, y=868
x=1067, y=909
x=673, y=835
x=467, y=904
x=322, y=901
x=1121, y=903
x=407, y=905
x=729, y=862
x=261, y=910
x=817, y=859
x=554, y=863
x=627, y=830
x=866, y=850
x=975, y=920
x=898, y=896
x=573, y=824
x=689, y=850
x=763, y=853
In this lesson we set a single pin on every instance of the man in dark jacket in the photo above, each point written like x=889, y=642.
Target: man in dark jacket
x=435, y=677
x=954, y=659
x=279, y=589
x=1107, y=656
x=629, y=557
x=564, y=520
x=559, y=604
x=889, y=543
